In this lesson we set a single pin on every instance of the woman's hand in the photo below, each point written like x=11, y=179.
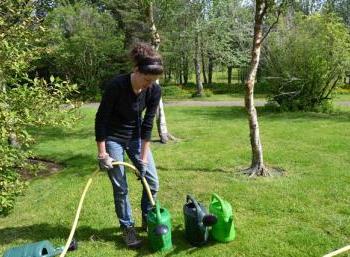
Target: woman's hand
x=105, y=161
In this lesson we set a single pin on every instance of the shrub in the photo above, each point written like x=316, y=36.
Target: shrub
x=305, y=61
x=34, y=104
x=83, y=45
x=218, y=88
x=174, y=92
x=24, y=102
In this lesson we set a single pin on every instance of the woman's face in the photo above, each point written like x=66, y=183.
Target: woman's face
x=146, y=80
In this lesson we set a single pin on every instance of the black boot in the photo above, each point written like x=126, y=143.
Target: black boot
x=130, y=237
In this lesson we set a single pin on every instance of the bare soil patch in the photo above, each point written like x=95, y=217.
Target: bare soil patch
x=41, y=168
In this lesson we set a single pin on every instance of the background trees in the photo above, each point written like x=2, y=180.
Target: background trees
x=83, y=46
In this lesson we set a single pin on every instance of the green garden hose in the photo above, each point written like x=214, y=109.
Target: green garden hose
x=144, y=182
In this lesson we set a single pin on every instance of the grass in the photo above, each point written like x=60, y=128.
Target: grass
x=240, y=97
x=305, y=213
x=343, y=97
x=218, y=76
x=217, y=97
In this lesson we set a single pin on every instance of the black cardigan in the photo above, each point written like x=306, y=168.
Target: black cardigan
x=119, y=113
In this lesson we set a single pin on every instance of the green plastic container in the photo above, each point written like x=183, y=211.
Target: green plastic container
x=224, y=229
x=159, y=228
x=39, y=249
x=196, y=232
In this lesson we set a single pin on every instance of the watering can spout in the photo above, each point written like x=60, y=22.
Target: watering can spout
x=209, y=220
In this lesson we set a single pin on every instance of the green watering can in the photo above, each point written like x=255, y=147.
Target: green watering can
x=224, y=229
x=159, y=228
x=39, y=249
x=197, y=222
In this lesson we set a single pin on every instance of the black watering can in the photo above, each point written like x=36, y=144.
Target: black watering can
x=197, y=221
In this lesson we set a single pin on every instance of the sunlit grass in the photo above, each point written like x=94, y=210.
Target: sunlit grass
x=304, y=213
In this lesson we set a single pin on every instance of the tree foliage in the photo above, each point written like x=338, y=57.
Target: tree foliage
x=24, y=102
x=306, y=59
x=83, y=46
x=18, y=43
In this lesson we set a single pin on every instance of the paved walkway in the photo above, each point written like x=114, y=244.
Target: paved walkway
x=216, y=103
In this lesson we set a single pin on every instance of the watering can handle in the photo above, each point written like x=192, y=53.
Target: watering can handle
x=218, y=198
x=158, y=211
x=190, y=198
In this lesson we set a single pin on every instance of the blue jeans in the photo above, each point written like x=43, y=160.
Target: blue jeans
x=116, y=149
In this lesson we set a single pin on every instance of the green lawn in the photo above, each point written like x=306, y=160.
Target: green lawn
x=216, y=97
x=305, y=213
x=240, y=97
x=342, y=97
x=218, y=76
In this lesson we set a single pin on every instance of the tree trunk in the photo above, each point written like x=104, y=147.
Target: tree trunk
x=257, y=167
x=180, y=76
x=185, y=70
x=169, y=74
x=197, y=66
x=12, y=141
x=160, y=114
x=229, y=74
x=161, y=124
x=203, y=65
x=210, y=69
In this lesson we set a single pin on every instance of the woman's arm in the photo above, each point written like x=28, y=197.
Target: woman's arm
x=101, y=149
x=144, y=150
x=103, y=116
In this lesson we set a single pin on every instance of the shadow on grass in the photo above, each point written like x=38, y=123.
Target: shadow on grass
x=38, y=232
x=57, y=133
x=80, y=165
x=228, y=170
x=205, y=113
x=109, y=236
x=180, y=245
x=338, y=115
x=214, y=113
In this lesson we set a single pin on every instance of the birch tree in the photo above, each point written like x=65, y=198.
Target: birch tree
x=262, y=7
x=198, y=10
x=160, y=115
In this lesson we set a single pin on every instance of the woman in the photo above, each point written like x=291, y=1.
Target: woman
x=120, y=128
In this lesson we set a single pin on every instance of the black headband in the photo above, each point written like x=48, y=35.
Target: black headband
x=150, y=61
x=151, y=66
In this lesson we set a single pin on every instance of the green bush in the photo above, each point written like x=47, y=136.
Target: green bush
x=20, y=34
x=83, y=45
x=263, y=86
x=306, y=60
x=174, y=92
x=208, y=92
x=218, y=88
x=24, y=102
x=34, y=104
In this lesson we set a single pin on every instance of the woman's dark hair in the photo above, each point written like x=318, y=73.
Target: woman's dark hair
x=146, y=59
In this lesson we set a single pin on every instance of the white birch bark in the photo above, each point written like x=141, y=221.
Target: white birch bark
x=160, y=114
x=197, y=66
x=257, y=164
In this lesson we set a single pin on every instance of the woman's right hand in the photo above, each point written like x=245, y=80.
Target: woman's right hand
x=105, y=161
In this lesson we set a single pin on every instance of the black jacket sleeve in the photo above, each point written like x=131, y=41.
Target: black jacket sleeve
x=151, y=108
x=105, y=109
